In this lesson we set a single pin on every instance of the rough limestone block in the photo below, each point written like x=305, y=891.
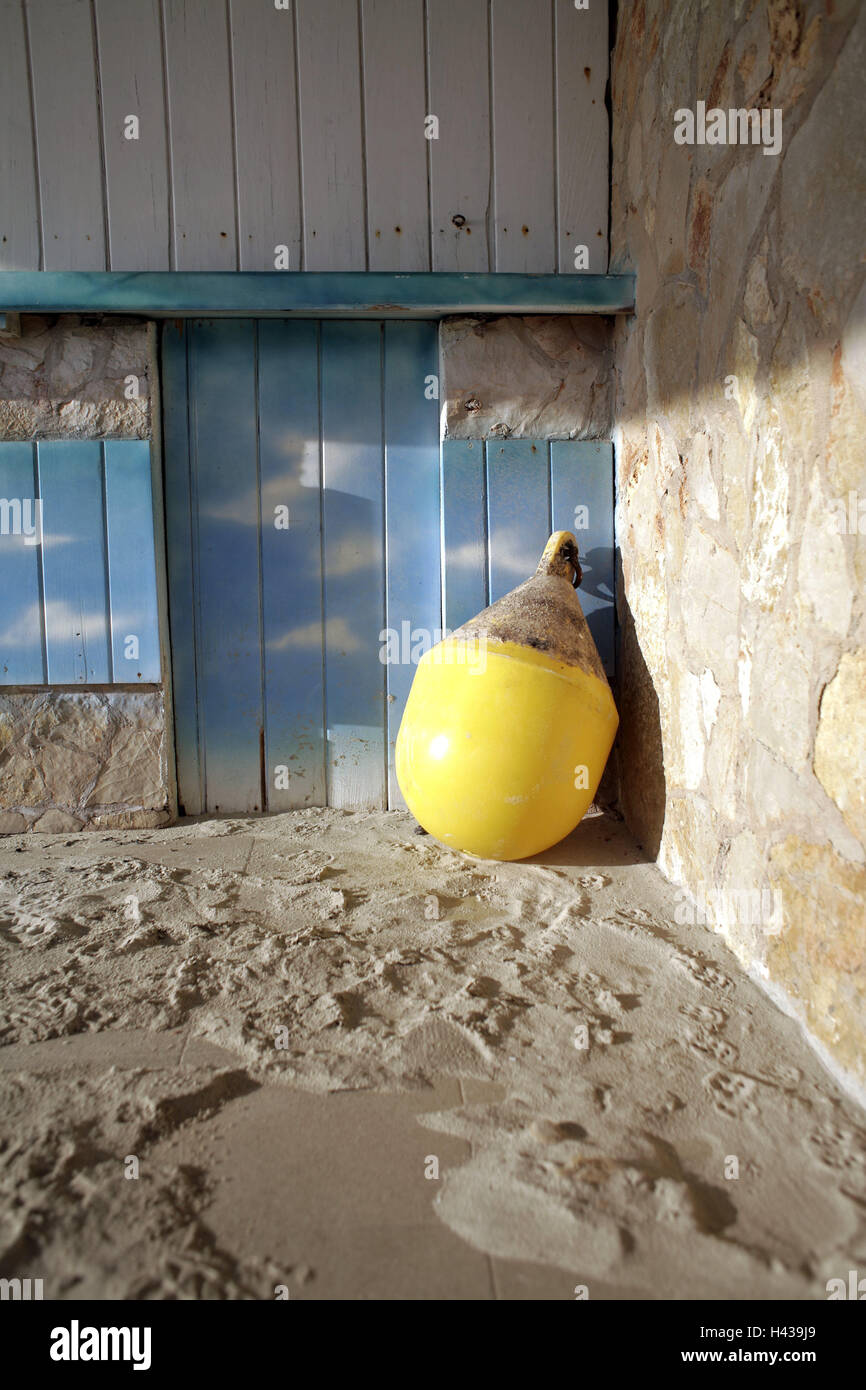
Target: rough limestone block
x=83, y=753
x=840, y=744
x=818, y=956
x=67, y=378
x=545, y=377
x=132, y=772
x=57, y=823
x=128, y=820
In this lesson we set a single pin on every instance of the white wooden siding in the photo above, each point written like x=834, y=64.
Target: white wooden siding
x=19, y=211
x=304, y=127
x=69, y=152
x=460, y=160
x=136, y=170
x=523, y=148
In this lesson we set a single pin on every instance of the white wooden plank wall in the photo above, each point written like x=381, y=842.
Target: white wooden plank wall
x=200, y=135
x=266, y=136
x=332, y=142
x=293, y=134
x=398, y=218
x=19, y=210
x=68, y=146
x=461, y=188
x=133, y=133
x=582, y=127
x=523, y=150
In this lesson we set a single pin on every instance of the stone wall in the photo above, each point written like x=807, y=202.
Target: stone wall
x=526, y=377
x=72, y=760
x=75, y=760
x=68, y=377
x=741, y=415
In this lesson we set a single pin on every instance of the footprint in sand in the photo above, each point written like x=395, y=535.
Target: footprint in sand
x=712, y=1019
x=701, y=971
x=669, y=1105
x=731, y=1094
x=708, y=1044
x=840, y=1148
x=593, y=880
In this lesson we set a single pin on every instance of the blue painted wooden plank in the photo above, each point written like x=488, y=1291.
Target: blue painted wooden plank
x=226, y=511
x=181, y=539
x=582, y=500
x=464, y=531
x=518, y=510
x=353, y=544
x=131, y=561
x=326, y=293
x=22, y=658
x=413, y=579
x=291, y=563
x=74, y=570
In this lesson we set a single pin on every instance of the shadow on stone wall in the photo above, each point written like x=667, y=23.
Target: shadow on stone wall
x=638, y=754
x=741, y=479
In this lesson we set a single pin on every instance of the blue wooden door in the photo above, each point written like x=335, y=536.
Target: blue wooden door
x=317, y=538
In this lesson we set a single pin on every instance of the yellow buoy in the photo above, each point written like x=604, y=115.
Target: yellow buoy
x=510, y=720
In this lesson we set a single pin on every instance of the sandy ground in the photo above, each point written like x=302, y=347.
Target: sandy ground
x=283, y=1019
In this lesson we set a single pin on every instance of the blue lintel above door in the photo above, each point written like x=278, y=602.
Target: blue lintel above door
x=303, y=294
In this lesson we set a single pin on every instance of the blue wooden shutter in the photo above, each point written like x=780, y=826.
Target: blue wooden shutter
x=77, y=596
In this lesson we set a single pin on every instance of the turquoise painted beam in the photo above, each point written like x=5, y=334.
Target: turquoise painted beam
x=178, y=294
